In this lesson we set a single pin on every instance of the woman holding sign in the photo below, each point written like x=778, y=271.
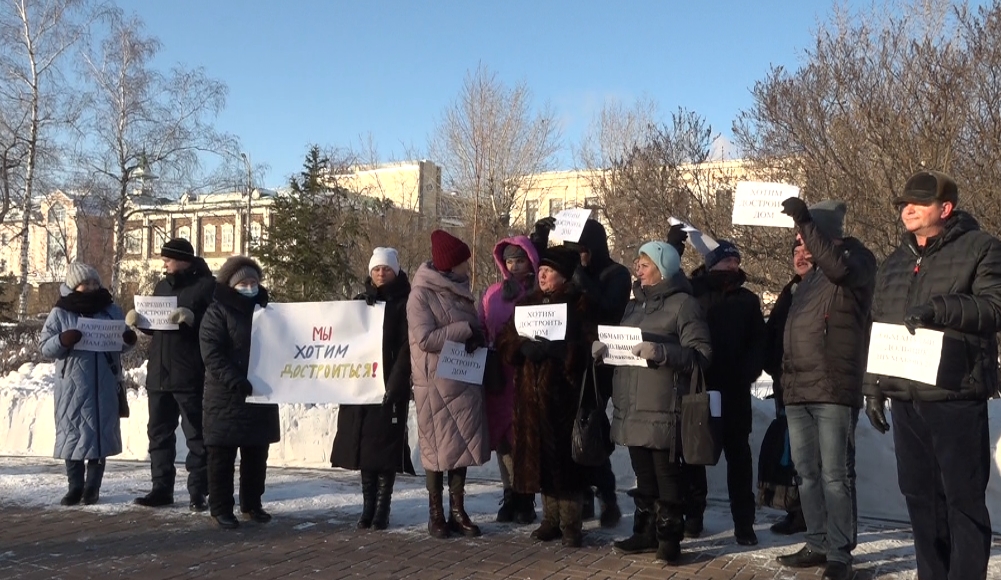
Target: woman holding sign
x=451, y=424
x=229, y=423
x=373, y=438
x=548, y=386
x=88, y=428
x=675, y=344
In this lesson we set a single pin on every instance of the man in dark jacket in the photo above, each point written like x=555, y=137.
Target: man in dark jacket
x=823, y=363
x=945, y=275
x=608, y=285
x=737, y=329
x=175, y=377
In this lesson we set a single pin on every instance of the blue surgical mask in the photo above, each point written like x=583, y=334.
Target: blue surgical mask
x=248, y=291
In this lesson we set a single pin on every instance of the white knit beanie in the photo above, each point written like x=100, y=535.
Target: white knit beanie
x=385, y=257
x=77, y=273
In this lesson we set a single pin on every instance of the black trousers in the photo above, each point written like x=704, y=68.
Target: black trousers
x=435, y=481
x=658, y=477
x=253, y=471
x=739, y=479
x=943, y=465
x=164, y=410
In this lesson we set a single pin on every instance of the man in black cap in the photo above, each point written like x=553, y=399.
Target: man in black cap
x=175, y=377
x=607, y=284
x=823, y=363
x=946, y=276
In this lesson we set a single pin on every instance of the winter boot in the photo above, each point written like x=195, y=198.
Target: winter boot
x=570, y=521
x=383, y=497
x=793, y=523
x=670, y=531
x=587, y=511
x=92, y=485
x=644, y=538
x=506, y=512
x=610, y=512
x=437, y=526
x=197, y=503
x=369, y=487
x=458, y=519
x=549, y=529
x=155, y=498
x=75, y=477
x=524, y=511
x=744, y=535
x=693, y=526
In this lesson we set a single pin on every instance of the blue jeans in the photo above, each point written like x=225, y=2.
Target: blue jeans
x=822, y=443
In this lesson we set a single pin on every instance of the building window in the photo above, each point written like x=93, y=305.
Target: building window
x=591, y=202
x=4, y=239
x=184, y=232
x=134, y=242
x=555, y=206
x=159, y=237
x=255, y=232
x=208, y=239
x=227, y=238
x=531, y=211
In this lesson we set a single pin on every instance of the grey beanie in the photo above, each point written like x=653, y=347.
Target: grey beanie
x=77, y=273
x=512, y=251
x=245, y=273
x=829, y=215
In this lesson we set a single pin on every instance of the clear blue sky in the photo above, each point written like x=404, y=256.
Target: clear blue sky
x=331, y=72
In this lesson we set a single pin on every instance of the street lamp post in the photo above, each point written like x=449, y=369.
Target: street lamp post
x=250, y=197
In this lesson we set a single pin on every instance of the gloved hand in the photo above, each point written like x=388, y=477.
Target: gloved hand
x=599, y=350
x=129, y=336
x=70, y=337
x=132, y=318
x=874, y=409
x=795, y=208
x=544, y=226
x=182, y=315
x=370, y=299
x=677, y=236
x=553, y=349
x=476, y=340
x=651, y=351
x=245, y=388
x=918, y=316
x=533, y=350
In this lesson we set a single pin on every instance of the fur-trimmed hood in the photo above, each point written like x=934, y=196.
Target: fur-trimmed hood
x=234, y=265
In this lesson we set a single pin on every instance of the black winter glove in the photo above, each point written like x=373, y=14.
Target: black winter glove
x=129, y=336
x=370, y=299
x=918, y=316
x=540, y=235
x=874, y=409
x=795, y=208
x=677, y=236
x=553, y=349
x=477, y=340
x=70, y=337
x=510, y=289
x=533, y=350
x=245, y=388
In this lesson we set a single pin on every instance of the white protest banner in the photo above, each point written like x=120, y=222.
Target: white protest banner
x=570, y=224
x=457, y=364
x=100, y=335
x=620, y=341
x=757, y=203
x=154, y=312
x=895, y=352
x=546, y=320
x=317, y=352
x=702, y=243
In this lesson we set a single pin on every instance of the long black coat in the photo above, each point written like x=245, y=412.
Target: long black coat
x=374, y=437
x=175, y=362
x=227, y=419
x=546, y=395
x=959, y=274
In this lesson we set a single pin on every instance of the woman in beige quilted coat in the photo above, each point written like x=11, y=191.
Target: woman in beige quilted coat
x=451, y=423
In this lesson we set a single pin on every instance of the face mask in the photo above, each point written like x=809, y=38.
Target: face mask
x=248, y=291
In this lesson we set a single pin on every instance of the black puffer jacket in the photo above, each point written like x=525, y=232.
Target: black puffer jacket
x=775, y=329
x=737, y=329
x=827, y=333
x=175, y=363
x=227, y=419
x=373, y=437
x=959, y=273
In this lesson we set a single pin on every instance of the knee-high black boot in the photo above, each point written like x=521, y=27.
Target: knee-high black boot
x=74, y=475
x=383, y=497
x=92, y=485
x=369, y=484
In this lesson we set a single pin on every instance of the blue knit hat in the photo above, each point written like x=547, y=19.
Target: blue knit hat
x=664, y=256
x=723, y=251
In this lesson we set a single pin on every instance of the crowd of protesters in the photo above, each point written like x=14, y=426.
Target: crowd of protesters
x=945, y=275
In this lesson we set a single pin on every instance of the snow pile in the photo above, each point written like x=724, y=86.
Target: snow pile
x=27, y=428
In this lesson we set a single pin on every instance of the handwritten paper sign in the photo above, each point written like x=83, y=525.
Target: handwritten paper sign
x=100, y=335
x=546, y=320
x=702, y=243
x=458, y=365
x=620, y=341
x=757, y=203
x=570, y=224
x=895, y=352
x=317, y=352
x=154, y=312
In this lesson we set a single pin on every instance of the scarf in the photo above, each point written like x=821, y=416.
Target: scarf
x=86, y=303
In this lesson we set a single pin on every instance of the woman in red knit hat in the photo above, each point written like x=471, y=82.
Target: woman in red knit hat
x=451, y=424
